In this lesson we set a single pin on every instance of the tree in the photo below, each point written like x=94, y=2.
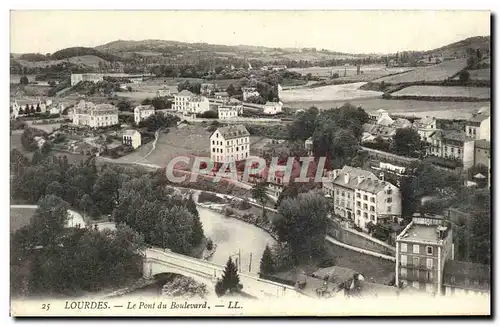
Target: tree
x=38, y=109
x=301, y=229
x=406, y=141
x=266, y=262
x=303, y=126
x=85, y=203
x=259, y=193
x=23, y=80
x=464, y=76
x=230, y=277
x=210, y=244
x=49, y=219
x=146, y=101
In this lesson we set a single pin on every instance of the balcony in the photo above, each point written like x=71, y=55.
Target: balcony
x=420, y=278
x=414, y=266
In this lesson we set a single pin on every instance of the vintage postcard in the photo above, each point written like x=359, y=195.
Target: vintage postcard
x=250, y=163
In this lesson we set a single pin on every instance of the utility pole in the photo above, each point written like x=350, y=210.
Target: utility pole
x=250, y=263
x=239, y=259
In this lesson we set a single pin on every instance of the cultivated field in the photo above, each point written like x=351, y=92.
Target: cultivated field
x=439, y=109
x=326, y=93
x=445, y=91
x=86, y=60
x=368, y=72
x=437, y=72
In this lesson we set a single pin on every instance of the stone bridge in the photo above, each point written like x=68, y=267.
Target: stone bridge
x=159, y=261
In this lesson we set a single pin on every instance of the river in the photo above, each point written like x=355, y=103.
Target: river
x=232, y=235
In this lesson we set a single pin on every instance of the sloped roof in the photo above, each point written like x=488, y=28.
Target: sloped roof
x=478, y=118
x=130, y=132
x=424, y=122
x=455, y=135
x=185, y=92
x=234, y=131
x=401, y=123
x=482, y=143
x=144, y=107
x=378, y=130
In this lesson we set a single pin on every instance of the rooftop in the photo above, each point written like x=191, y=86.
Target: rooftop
x=130, y=132
x=482, y=143
x=422, y=232
x=478, y=118
x=378, y=129
x=234, y=131
x=424, y=122
x=144, y=107
x=368, y=181
x=459, y=136
x=185, y=92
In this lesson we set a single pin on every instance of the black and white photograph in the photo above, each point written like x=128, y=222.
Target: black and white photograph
x=211, y=163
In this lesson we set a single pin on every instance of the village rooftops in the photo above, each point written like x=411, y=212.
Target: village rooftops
x=186, y=93
x=424, y=122
x=378, y=130
x=458, y=136
x=354, y=178
x=231, y=132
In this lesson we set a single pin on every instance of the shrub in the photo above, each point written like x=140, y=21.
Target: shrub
x=210, y=244
x=229, y=211
x=208, y=115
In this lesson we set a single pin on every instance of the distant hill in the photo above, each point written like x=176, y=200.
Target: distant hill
x=460, y=48
x=81, y=51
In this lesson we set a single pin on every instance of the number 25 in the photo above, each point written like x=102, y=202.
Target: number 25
x=46, y=306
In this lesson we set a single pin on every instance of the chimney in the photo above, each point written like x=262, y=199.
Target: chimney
x=381, y=176
x=360, y=179
x=335, y=174
x=346, y=177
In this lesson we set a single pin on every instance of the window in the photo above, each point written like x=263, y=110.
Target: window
x=389, y=209
x=348, y=195
x=337, y=191
x=404, y=260
x=358, y=203
x=358, y=195
x=237, y=148
x=389, y=199
x=372, y=199
x=429, y=263
x=358, y=212
x=336, y=201
x=213, y=150
x=428, y=250
x=372, y=208
x=404, y=247
x=365, y=197
x=389, y=191
x=416, y=249
x=365, y=206
x=228, y=143
x=372, y=217
x=403, y=272
x=365, y=215
x=416, y=261
x=343, y=194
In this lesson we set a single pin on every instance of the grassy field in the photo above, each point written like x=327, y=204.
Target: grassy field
x=439, y=109
x=445, y=91
x=368, y=72
x=20, y=217
x=86, y=60
x=326, y=93
x=480, y=74
x=437, y=72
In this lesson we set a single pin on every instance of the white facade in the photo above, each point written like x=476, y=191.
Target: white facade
x=142, y=112
x=132, y=138
x=95, y=116
x=188, y=103
x=478, y=127
x=360, y=196
x=95, y=78
x=273, y=107
x=230, y=144
x=425, y=128
x=227, y=112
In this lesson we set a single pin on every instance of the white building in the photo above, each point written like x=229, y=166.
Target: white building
x=132, y=138
x=95, y=116
x=142, y=112
x=478, y=127
x=426, y=127
x=230, y=144
x=56, y=109
x=249, y=92
x=189, y=103
x=95, y=78
x=362, y=197
x=227, y=112
x=273, y=108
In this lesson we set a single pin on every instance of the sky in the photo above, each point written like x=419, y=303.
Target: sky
x=343, y=31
